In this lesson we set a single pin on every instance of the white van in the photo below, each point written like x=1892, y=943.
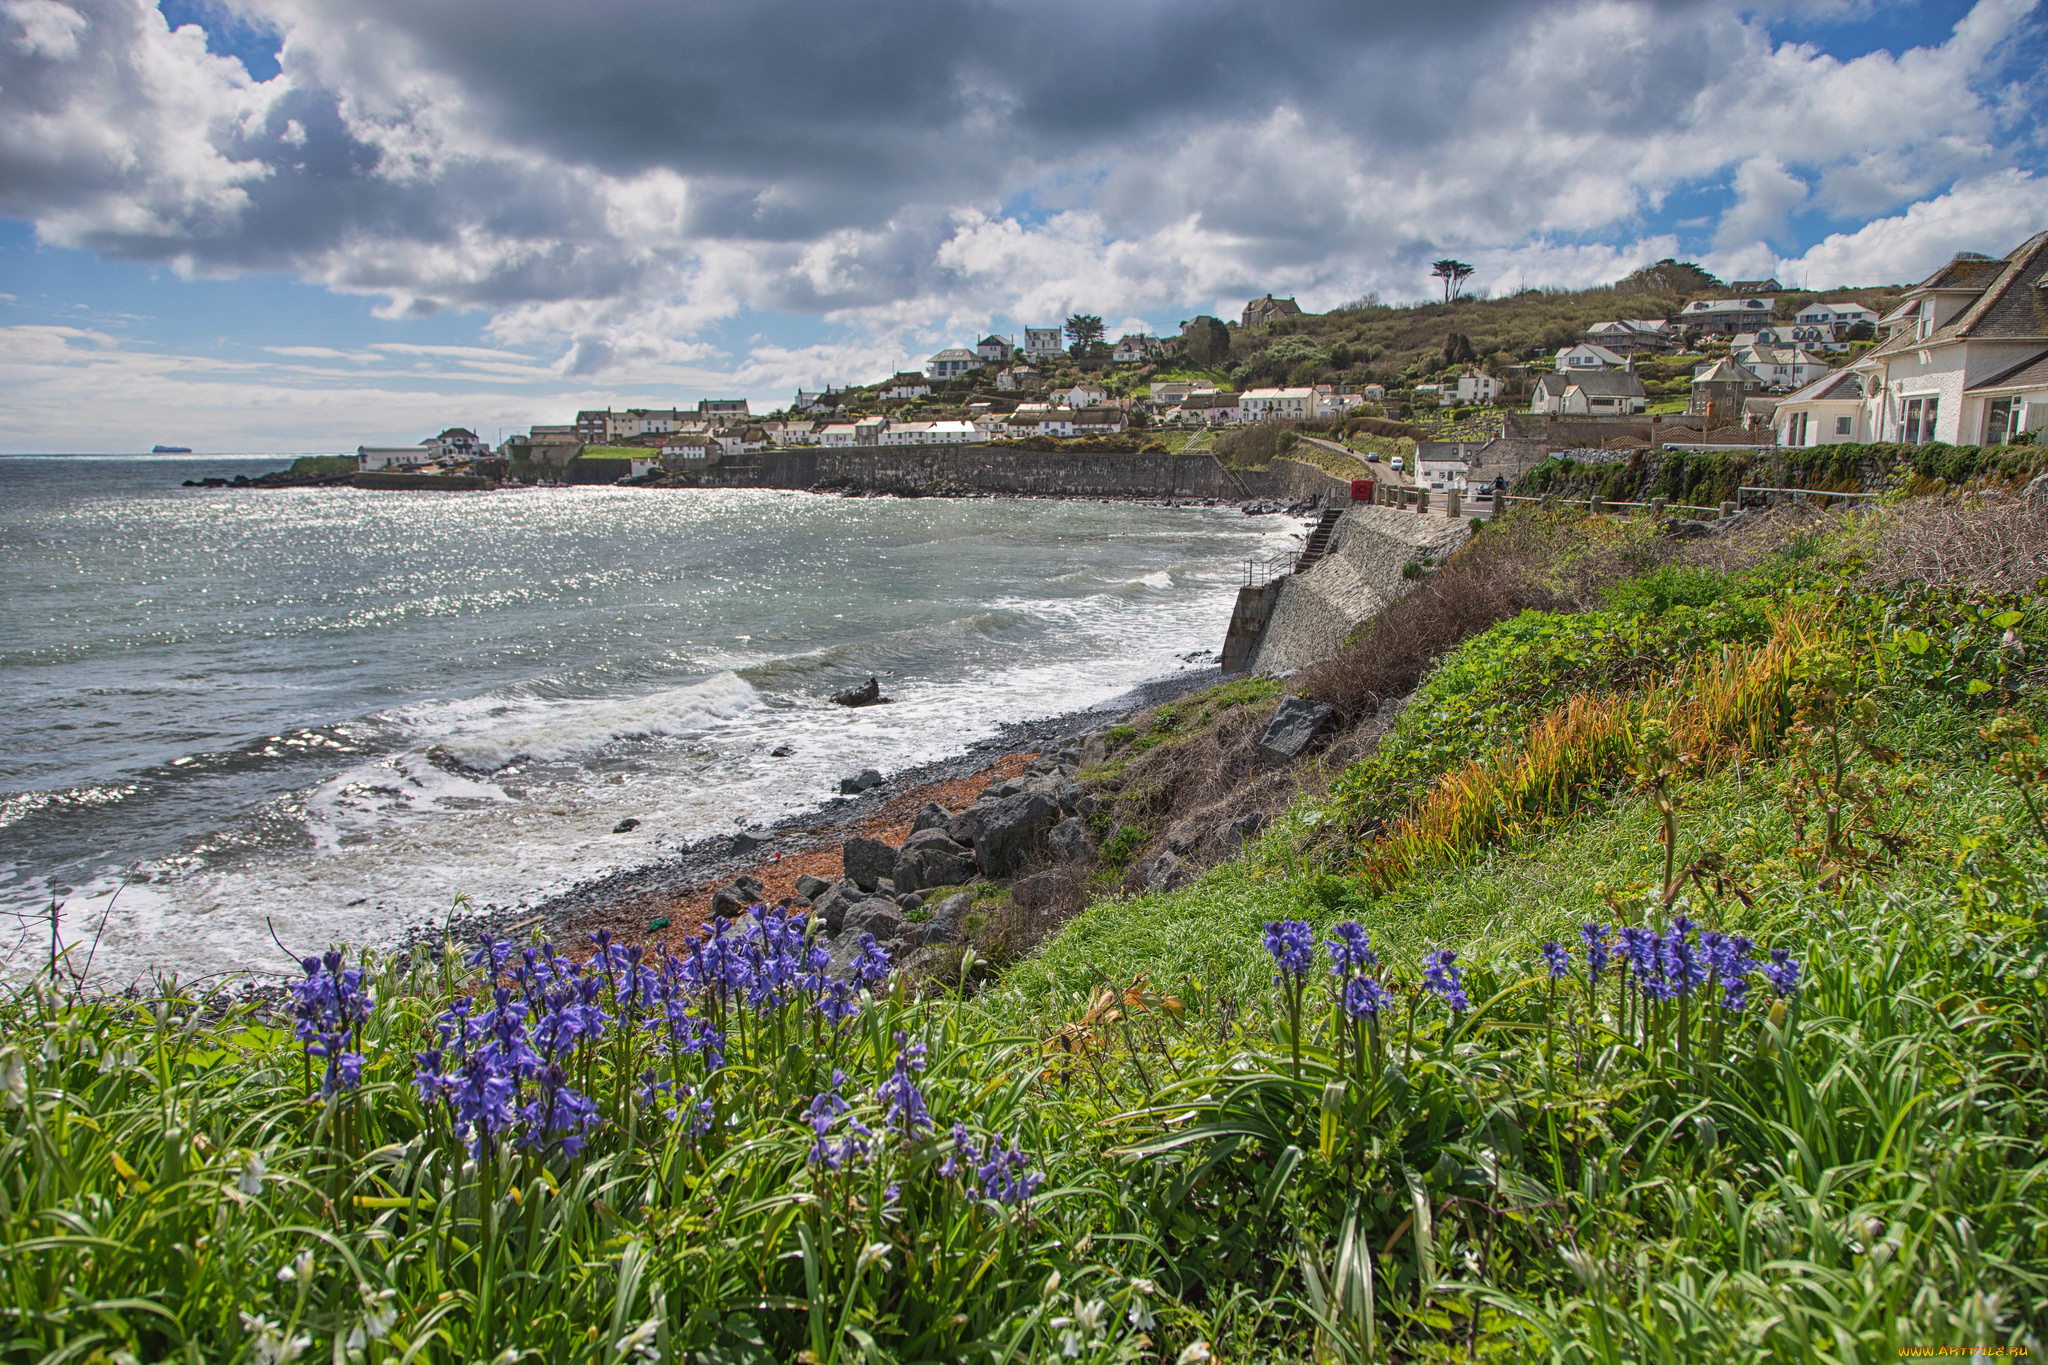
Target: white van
x=1397, y=464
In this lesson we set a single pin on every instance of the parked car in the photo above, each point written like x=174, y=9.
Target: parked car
x=1397, y=464
x=1372, y=457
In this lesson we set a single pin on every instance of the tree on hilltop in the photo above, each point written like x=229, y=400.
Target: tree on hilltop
x=1206, y=340
x=1668, y=277
x=1084, y=332
x=1453, y=274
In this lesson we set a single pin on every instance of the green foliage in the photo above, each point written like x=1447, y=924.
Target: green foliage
x=324, y=466
x=1656, y=592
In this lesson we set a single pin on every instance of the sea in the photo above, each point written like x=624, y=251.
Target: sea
x=232, y=720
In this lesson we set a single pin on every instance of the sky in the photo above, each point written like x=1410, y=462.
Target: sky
x=300, y=225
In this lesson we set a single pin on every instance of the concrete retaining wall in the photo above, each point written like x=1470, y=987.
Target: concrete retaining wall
x=984, y=469
x=1316, y=611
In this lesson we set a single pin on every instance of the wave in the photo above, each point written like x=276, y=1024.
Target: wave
x=490, y=732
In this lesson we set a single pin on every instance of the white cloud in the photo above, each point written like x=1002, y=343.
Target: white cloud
x=1991, y=214
x=48, y=29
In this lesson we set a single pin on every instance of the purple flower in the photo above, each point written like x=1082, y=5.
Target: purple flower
x=1363, y=997
x=1445, y=979
x=1293, y=946
x=824, y=1114
x=1350, y=951
x=999, y=1171
x=1594, y=936
x=328, y=1008
x=1679, y=960
x=1559, y=960
x=902, y=1101
x=871, y=967
x=1782, y=971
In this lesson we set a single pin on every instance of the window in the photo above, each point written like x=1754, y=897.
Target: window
x=1926, y=318
x=1917, y=424
x=1844, y=425
x=2001, y=421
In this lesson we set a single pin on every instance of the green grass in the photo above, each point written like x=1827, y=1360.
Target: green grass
x=1556, y=1174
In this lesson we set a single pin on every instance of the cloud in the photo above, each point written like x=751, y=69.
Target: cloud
x=1991, y=214
x=610, y=184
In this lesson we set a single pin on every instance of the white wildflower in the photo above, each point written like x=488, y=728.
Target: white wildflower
x=272, y=1346
x=871, y=1254
x=14, y=1077
x=301, y=1269
x=253, y=1172
x=640, y=1341
x=1196, y=1353
x=1088, y=1317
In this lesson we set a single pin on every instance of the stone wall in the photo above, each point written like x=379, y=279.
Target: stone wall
x=1316, y=611
x=985, y=469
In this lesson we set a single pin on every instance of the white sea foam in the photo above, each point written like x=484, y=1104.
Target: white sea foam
x=489, y=732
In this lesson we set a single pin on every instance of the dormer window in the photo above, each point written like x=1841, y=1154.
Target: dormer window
x=1926, y=318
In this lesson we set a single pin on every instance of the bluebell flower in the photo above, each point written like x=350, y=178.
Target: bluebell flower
x=1363, y=998
x=328, y=1008
x=902, y=1101
x=1293, y=946
x=1782, y=971
x=999, y=1171
x=1594, y=936
x=1446, y=980
x=1559, y=960
x=1350, y=951
x=871, y=967
x=1679, y=960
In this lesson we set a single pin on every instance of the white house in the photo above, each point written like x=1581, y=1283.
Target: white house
x=1261, y=405
x=1330, y=403
x=1081, y=395
x=686, y=452
x=1829, y=411
x=794, y=432
x=1132, y=347
x=1374, y=393
x=995, y=350
x=1596, y=393
x=953, y=432
x=1726, y=315
x=722, y=410
x=739, y=440
x=1780, y=367
x=1474, y=388
x=1220, y=409
x=1823, y=326
x=1629, y=335
x=1175, y=390
x=620, y=426
x=952, y=363
x=836, y=435
x=909, y=384
x=1587, y=356
x=904, y=434
x=1043, y=343
x=1018, y=377
x=868, y=430
x=1967, y=359
x=1443, y=465
x=391, y=457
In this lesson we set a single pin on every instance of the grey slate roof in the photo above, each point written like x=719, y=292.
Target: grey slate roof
x=1840, y=386
x=1594, y=384
x=2013, y=302
x=2025, y=375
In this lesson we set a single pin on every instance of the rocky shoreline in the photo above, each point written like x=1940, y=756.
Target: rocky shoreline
x=663, y=902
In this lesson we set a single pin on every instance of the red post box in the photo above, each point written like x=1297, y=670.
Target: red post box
x=1361, y=490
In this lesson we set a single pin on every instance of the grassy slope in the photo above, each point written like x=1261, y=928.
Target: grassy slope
x=1835, y=1181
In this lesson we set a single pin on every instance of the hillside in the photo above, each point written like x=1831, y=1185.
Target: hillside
x=1648, y=969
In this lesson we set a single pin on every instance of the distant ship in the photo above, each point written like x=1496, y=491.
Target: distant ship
x=170, y=450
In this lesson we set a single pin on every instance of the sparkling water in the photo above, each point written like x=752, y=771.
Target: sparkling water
x=337, y=709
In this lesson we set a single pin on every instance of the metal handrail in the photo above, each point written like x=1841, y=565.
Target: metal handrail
x=1260, y=571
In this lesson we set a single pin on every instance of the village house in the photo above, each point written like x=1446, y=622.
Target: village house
x=907, y=384
x=1595, y=393
x=693, y=451
x=1220, y=409
x=722, y=411
x=1081, y=395
x=1828, y=411
x=733, y=441
x=836, y=435
x=952, y=363
x=1374, y=393
x=995, y=350
x=823, y=400
x=1633, y=336
x=1331, y=403
x=1726, y=317
x=1473, y=387
x=1171, y=392
x=868, y=430
x=1967, y=358
x=1268, y=308
x=1261, y=405
x=1779, y=367
x=1826, y=326
x=1018, y=377
x=793, y=432
x=1746, y=288
x=1134, y=347
x=1443, y=465
x=1719, y=390
x=1587, y=356
x=1044, y=343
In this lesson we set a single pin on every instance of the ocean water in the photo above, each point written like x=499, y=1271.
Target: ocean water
x=327, y=713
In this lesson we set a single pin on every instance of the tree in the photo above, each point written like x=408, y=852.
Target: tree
x=1206, y=340
x=1084, y=331
x=1667, y=277
x=1458, y=349
x=1340, y=356
x=1453, y=274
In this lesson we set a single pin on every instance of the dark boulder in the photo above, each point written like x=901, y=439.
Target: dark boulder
x=867, y=694
x=876, y=915
x=1068, y=840
x=629, y=823
x=1167, y=872
x=830, y=905
x=1295, y=726
x=747, y=840
x=811, y=887
x=859, y=782
x=931, y=816
x=868, y=861
x=1013, y=832
x=1244, y=828
x=929, y=858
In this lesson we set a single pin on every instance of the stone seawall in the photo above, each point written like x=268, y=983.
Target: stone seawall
x=985, y=469
x=1361, y=573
